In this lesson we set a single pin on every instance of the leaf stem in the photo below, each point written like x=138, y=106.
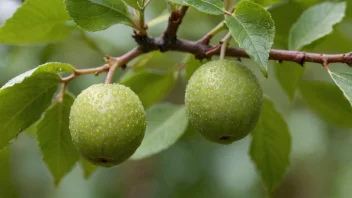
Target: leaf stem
x=218, y=28
x=146, y=3
x=141, y=18
x=136, y=25
x=173, y=7
x=141, y=22
x=227, y=4
x=224, y=44
x=227, y=12
x=60, y=95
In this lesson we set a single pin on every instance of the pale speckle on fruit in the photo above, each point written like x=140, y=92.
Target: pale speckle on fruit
x=102, y=123
x=223, y=100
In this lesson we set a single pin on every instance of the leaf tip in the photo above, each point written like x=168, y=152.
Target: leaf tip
x=265, y=73
x=57, y=181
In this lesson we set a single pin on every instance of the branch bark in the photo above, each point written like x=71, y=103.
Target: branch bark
x=168, y=41
x=174, y=23
x=202, y=50
x=121, y=62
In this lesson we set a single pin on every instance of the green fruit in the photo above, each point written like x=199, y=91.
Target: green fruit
x=107, y=123
x=223, y=100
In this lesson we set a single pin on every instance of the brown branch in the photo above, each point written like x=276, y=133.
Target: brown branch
x=110, y=67
x=78, y=72
x=201, y=51
x=121, y=62
x=174, y=23
x=168, y=41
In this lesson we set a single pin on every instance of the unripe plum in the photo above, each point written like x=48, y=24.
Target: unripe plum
x=107, y=123
x=223, y=100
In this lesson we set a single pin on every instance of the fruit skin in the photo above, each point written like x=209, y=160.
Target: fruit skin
x=107, y=123
x=223, y=101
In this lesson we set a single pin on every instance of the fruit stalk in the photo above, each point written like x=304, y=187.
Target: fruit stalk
x=121, y=62
x=224, y=44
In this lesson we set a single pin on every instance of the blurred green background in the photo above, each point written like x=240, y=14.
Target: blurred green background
x=321, y=160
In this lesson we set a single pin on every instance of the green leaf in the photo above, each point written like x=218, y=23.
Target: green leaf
x=315, y=23
x=88, y=168
x=266, y=2
x=308, y=2
x=91, y=43
x=7, y=188
x=137, y=4
x=23, y=99
x=53, y=67
x=146, y=2
x=165, y=125
x=36, y=21
x=31, y=131
x=214, y=7
x=54, y=139
x=150, y=87
x=96, y=15
x=327, y=101
x=192, y=65
x=144, y=59
x=254, y=30
x=344, y=82
x=289, y=75
x=271, y=146
x=284, y=18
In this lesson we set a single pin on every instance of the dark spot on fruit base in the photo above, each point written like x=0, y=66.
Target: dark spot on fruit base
x=223, y=138
x=103, y=160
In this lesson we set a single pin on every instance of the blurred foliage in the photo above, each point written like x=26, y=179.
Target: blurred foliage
x=193, y=167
